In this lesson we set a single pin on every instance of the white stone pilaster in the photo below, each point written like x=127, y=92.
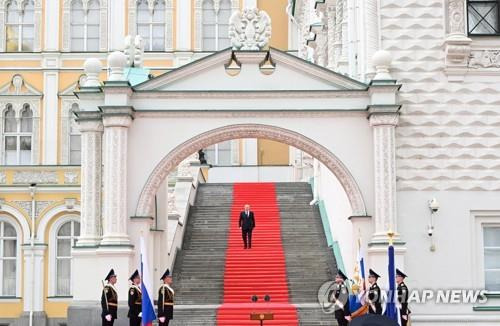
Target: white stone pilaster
x=91, y=129
x=383, y=122
x=116, y=24
x=183, y=26
x=50, y=113
x=116, y=120
x=457, y=44
x=51, y=25
x=33, y=277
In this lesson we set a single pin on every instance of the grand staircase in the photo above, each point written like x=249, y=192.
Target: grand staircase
x=202, y=298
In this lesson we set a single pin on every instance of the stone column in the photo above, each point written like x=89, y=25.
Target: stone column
x=116, y=120
x=384, y=122
x=90, y=126
x=383, y=117
x=33, y=293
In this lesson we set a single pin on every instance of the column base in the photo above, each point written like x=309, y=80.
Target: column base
x=39, y=319
x=88, y=242
x=116, y=240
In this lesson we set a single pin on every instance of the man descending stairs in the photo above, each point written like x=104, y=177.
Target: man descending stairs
x=201, y=265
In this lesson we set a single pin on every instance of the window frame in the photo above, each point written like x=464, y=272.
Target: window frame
x=20, y=24
x=54, y=230
x=18, y=134
x=6, y=219
x=198, y=22
x=151, y=24
x=468, y=5
x=85, y=25
x=485, y=270
x=478, y=221
x=216, y=24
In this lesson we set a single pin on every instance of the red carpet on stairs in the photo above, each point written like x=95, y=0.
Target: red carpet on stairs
x=257, y=271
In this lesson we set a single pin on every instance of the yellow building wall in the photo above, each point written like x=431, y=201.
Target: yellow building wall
x=272, y=153
x=279, y=21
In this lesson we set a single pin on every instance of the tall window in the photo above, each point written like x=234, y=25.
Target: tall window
x=85, y=25
x=215, y=26
x=151, y=24
x=492, y=258
x=483, y=17
x=18, y=135
x=219, y=154
x=65, y=240
x=20, y=26
x=8, y=259
x=74, y=139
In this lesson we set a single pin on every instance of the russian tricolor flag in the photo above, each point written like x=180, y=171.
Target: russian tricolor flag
x=148, y=310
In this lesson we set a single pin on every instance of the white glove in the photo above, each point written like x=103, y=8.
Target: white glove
x=161, y=319
x=139, y=315
x=108, y=317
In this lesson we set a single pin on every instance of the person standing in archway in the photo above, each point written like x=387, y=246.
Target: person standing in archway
x=247, y=223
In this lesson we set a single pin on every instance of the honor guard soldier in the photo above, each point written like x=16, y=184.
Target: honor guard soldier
x=165, y=300
x=135, y=300
x=374, y=294
x=109, y=300
x=340, y=298
x=402, y=297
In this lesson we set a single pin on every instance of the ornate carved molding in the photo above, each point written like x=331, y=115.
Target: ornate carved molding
x=249, y=29
x=485, y=59
x=457, y=44
x=172, y=160
x=456, y=16
x=40, y=177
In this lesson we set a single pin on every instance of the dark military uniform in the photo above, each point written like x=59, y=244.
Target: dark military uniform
x=403, y=294
x=134, y=305
x=109, y=304
x=165, y=304
x=374, y=296
x=403, y=302
x=340, y=297
x=375, y=299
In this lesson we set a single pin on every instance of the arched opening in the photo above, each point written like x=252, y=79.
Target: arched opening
x=218, y=135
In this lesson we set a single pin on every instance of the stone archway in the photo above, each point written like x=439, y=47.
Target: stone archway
x=179, y=153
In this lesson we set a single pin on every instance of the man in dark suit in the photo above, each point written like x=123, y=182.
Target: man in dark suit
x=247, y=223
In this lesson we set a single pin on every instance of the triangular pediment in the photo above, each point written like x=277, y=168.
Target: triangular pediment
x=290, y=73
x=17, y=86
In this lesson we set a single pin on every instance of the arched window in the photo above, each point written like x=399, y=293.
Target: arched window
x=8, y=259
x=215, y=24
x=84, y=27
x=18, y=135
x=66, y=237
x=74, y=138
x=20, y=27
x=151, y=24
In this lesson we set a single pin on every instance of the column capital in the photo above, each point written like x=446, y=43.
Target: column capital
x=89, y=121
x=387, y=115
x=117, y=115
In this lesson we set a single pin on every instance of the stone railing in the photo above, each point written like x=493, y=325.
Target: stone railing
x=181, y=196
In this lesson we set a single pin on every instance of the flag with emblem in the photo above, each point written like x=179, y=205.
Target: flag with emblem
x=148, y=310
